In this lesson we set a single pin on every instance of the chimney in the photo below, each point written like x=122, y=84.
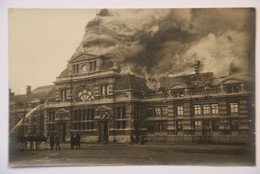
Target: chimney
x=28, y=90
x=11, y=93
x=197, y=67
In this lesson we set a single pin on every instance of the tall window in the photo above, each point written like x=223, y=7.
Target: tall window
x=93, y=65
x=150, y=112
x=214, y=109
x=198, y=125
x=51, y=116
x=206, y=109
x=83, y=119
x=233, y=107
x=215, y=125
x=234, y=124
x=156, y=126
x=136, y=112
x=121, y=112
x=197, y=109
x=84, y=115
x=179, y=125
x=103, y=89
x=179, y=110
x=90, y=65
x=75, y=68
x=63, y=93
x=164, y=111
x=157, y=111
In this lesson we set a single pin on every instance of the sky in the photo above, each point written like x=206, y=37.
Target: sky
x=147, y=42
x=41, y=42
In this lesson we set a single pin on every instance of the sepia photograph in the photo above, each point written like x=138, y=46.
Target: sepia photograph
x=131, y=87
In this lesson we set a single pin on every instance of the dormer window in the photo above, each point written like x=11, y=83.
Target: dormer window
x=177, y=92
x=93, y=66
x=232, y=88
x=75, y=68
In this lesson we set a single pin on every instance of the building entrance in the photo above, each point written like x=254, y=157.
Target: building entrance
x=103, y=131
x=61, y=131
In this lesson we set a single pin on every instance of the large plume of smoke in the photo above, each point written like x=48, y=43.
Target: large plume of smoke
x=153, y=42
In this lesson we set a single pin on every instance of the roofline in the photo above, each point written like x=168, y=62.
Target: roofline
x=73, y=58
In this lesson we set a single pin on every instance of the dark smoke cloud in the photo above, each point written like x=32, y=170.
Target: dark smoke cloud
x=153, y=42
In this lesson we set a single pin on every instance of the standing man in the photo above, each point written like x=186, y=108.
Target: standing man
x=78, y=141
x=72, y=141
x=52, y=141
x=57, y=141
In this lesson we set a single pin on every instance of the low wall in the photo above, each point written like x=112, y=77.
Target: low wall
x=174, y=139
x=189, y=139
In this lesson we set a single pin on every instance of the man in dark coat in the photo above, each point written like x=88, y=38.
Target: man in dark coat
x=78, y=141
x=52, y=141
x=57, y=142
x=72, y=141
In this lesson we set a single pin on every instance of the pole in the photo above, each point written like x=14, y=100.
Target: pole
x=71, y=102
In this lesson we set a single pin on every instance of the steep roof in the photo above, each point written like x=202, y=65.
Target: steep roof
x=41, y=93
x=19, y=99
x=232, y=78
x=64, y=73
x=132, y=82
x=105, y=65
x=82, y=56
x=189, y=80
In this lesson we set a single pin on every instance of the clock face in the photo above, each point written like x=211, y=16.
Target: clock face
x=86, y=96
x=84, y=68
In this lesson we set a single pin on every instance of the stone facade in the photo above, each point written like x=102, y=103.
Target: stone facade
x=91, y=97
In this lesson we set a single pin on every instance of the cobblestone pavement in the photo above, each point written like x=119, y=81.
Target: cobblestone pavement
x=125, y=154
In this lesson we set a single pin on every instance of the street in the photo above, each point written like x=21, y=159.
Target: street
x=137, y=154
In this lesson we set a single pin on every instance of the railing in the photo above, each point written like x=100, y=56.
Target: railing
x=204, y=92
x=152, y=96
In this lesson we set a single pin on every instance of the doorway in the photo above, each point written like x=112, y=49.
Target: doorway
x=103, y=131
x=62, y=131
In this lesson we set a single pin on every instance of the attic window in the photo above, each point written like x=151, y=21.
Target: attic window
x=75, y=68
x=93, y=65
x=177, y=92
x=232, y=89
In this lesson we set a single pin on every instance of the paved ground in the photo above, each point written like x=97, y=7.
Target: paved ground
x=125, y=154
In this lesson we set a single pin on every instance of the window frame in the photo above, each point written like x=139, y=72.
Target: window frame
x=208, y=110
x=233, y=108
x=179, y=125
x=197, y=109
x=179, y=110
x=214, y=109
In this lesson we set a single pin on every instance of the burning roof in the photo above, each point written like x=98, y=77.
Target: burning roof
x=157, y=41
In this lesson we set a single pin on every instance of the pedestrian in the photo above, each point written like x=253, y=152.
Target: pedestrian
x=52, y=141
x=78, y=141
x=57, y=142
x=131, y=138
x=72, y=140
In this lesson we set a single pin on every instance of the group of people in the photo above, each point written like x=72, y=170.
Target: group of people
x=30, y=142
x=75, y=141
x=55, y=140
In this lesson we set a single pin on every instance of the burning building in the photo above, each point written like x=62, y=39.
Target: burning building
x=140, y=79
